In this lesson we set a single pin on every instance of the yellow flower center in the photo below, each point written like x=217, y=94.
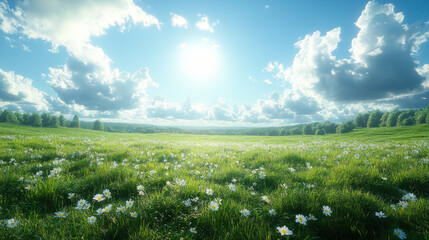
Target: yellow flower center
x=284, y=231
x=12, y=223
x=300, y=219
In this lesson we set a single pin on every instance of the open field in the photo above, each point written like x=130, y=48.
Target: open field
x=162, y=186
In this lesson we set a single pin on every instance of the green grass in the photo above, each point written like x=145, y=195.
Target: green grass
x=355, y=174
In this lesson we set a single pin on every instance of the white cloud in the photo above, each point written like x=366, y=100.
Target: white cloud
x=25, y=48
x=267, y=81
x=424, y=71
x=72, y=23
x=98, y=88
x=86, y=82
x=178, y=21
x=381, y=64
x=204, y=24
x=18, y=90
x=161, y=108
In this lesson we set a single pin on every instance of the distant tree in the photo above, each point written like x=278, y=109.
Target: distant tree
x=19, y=117
x=0, y=112
x=401, y=118
x=427, y=118
x=346, y=127
x=54, y=122
x=383, y=120
x=273, y=132
x=421, y=117
x=330, y=127
x=75, y=122
x=109, y=129
x=320, y=131
x=359, y=121
x=45, y=119
x=7, y=116
x=393, y=118
x=365, y=118
x=295, y=131
x=307, y=129
x=62, y=120
x=409, y=121
x=283, y=132
x=98, y=126
x=36, y=120
x=26, y=119
x=374, y=119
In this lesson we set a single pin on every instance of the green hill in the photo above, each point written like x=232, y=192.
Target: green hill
x=65, y=183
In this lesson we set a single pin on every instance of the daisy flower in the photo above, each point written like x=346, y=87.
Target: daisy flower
x=209, y=191
x=60, y=214
x=98, y=197
x=301, y=219
x=231, y=187
x=214, y=206
x=380, y=214
x=403, y=204
x=193, y=230
x=120, y=209
x=284, y=230
x=409, y=197
x=266, y=199
x=272, y=212
x=133, y=214
x=107, y=193
x=245, y=212
x=140, y=188
x=399, y=233
x=11, y=223
x=327, y=210
x=91, y=219
x=129, y=203
x=187, y=202
x=311, y=217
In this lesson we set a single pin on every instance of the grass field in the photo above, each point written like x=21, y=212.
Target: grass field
x=167, y=186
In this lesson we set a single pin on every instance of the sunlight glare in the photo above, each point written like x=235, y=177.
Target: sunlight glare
x=199, y=62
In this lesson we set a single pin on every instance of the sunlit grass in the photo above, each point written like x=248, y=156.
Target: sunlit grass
x=354, y=174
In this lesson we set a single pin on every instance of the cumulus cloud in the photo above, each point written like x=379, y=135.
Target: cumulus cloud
x=381, y=64
x=86, y=82
x=98, y=88
x=267, y=81
x=18, y=90
x=160, y=107
x=381, y=73
x=205, y=25
x=71, y=23
x=178, y=21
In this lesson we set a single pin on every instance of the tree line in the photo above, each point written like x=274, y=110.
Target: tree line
x=43, y=120
x=370, y=119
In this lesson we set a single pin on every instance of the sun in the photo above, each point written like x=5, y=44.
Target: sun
x=199, y=62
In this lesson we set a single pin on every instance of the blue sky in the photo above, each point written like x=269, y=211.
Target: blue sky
x=241, y=63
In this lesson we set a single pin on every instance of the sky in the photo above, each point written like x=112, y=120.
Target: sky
x=213, y=63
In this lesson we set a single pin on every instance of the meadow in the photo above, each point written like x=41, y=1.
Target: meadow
x=64, y=183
